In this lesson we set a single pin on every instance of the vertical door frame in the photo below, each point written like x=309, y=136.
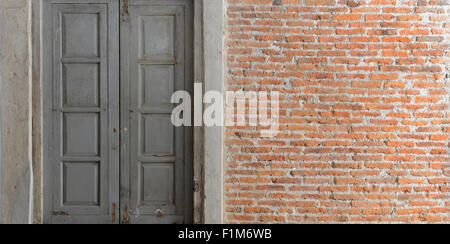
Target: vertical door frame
x=37, y=116
x=208, y=165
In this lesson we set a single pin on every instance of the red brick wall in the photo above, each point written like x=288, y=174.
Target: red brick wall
x=364, y=117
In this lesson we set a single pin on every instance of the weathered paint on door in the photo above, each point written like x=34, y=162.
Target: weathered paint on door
x=81, y=111
x=156, y=156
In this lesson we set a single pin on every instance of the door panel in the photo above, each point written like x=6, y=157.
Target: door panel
x=156, y=160
x=81, y=111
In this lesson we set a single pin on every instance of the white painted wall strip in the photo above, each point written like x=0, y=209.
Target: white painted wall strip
x=213, y=19
x=30, y=109
x=1, y=93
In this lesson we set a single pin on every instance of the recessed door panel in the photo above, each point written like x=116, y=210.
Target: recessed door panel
x=157, y=184
x=80, y=34
x=157, y=36
x=81, y=134
x=158, y=135
x=157, y=85
x=81, y=183
x=81, y=85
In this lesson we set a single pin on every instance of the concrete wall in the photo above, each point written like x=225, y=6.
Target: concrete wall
x=15, y=101
x=213, y=18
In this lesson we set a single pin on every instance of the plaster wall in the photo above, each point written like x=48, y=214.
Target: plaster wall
x=15, y=110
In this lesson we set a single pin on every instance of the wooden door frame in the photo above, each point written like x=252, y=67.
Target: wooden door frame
x=208, y=155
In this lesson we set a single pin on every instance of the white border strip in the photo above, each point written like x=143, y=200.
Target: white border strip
x=213, y=24
x=1, y=95
x=30, y=110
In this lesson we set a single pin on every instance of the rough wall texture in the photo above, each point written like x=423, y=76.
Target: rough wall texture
x=15, y=100
x=364, y=111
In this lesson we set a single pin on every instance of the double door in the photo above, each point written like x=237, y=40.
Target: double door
x=111, y=152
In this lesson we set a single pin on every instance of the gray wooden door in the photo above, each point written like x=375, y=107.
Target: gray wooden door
x=81, y=110
x=156, y=47
x=80, y=53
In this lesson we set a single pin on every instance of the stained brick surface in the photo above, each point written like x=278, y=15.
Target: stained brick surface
x=365, y=122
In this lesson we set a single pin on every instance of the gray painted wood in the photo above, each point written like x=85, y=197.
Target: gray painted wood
x=81, y=159
x=37, y=112
x=156, y=168
x=81, y=111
